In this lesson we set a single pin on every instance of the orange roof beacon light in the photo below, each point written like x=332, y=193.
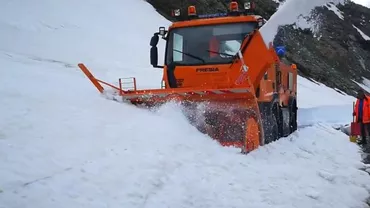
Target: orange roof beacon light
x=234, y=7
x=192, y=11
x=294, y=66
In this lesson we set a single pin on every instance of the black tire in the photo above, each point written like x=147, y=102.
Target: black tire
x=278, y=114
x=275, y=117
x=293, y=109
x=269, y=122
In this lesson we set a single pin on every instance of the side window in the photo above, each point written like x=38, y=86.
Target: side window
x=177, y=46
x=290, y=81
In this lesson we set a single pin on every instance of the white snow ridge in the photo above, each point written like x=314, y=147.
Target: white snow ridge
x=64, y=146
x=363, y=35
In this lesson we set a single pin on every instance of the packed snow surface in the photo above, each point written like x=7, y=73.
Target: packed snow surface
x=63, y=145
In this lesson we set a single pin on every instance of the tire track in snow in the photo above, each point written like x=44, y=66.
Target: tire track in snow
x=46, y=177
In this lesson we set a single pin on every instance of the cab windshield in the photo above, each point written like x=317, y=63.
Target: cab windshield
x=211, y=44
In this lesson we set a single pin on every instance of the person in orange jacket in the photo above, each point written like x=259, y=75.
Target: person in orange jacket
x=362, y=113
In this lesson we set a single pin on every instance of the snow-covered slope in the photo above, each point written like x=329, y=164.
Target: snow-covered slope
x=365, y=3
x=112, y=36
x=63, y=145
x=294, y=12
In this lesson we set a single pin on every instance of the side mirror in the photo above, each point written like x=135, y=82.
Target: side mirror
x=154, y=56
x=154, y=51
x=154, y=40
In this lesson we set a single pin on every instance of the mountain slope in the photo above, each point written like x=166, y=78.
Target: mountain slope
x=68, y=32
x=63, y=145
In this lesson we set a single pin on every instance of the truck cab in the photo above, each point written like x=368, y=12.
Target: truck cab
x=200, y=50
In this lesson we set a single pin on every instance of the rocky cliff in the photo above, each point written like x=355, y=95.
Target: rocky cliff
x=336, y=51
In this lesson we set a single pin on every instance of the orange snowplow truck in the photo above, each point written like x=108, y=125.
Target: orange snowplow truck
x=230, y=85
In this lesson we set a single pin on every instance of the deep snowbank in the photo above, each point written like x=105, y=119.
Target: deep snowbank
x=335, y=114
x=315, y=94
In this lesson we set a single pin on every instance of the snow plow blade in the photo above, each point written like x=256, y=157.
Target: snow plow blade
x=230, y=116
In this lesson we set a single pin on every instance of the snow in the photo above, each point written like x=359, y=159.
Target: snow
x=98, y=33
x=365, y=3
x=63, y=145
x=364, y=85
x=363, y=35
x=327, y=97
x=279, y=3
x=366, y=82
x=335, y=9
x=293, y=12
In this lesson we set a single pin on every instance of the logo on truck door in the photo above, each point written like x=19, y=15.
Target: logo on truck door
x=208, y=69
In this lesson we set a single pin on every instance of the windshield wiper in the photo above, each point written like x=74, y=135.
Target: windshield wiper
x=196, y=57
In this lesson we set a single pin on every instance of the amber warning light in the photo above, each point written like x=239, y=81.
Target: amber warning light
x=234, y=6
x=192, y=11
x=294, y=66
x=249, y=6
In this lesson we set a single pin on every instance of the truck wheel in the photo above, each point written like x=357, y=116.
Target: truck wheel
x=278, y=115
x=269, y=122
x=274, y=122
x=293, y=114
